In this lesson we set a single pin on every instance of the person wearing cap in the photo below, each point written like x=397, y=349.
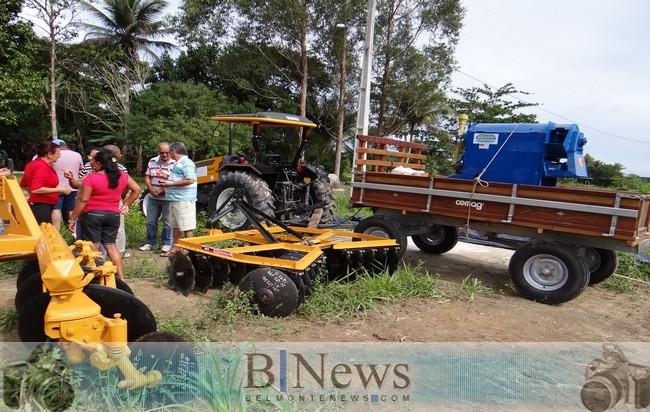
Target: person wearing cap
x=41, y=181
x=67, y=168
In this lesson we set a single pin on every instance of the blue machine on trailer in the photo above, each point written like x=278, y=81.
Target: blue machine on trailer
x=523, y=153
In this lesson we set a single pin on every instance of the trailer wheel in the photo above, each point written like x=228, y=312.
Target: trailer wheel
x=442, y=239
x=381, y=226
x=548, y=272
x=256, y=194
x=274, y=292
x=602, y=263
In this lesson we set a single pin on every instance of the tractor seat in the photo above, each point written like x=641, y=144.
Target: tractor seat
x=271, y=159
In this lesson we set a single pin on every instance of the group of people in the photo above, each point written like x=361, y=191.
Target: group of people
x=92, y=198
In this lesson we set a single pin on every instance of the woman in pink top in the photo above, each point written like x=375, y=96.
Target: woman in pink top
x=98, y=205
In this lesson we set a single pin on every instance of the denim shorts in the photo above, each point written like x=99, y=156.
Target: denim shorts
x=66, y=202
x=100, y=226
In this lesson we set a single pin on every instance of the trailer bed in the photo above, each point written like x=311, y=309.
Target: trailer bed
x=605, y=214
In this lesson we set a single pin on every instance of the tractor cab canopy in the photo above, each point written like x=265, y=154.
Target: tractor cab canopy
x=266, y=119
x=270, y=119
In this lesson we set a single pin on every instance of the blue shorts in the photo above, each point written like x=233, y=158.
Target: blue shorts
x=66, y=202
x=100, y=226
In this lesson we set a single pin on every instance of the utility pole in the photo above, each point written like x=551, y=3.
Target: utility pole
x=366, y=71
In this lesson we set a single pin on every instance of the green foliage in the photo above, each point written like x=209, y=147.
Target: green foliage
x=611, y=176
x=342, y=299
x=413, y=71
x=8, y=320
x=343, y=208
x=628, y=267
x=145, y=267
x=20, y=81
x=473, y=287
x=135, y=228
x=10, y=269
x=181, y=111
x=42, y=383
x=485, y=105
x=131, y=24
x=219, y=386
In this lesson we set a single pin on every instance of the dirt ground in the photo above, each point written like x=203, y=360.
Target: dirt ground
x=598, y=315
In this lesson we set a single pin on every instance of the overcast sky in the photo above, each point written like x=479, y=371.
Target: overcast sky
x=583, y=61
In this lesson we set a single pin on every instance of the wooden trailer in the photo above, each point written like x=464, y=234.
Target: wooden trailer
x=565, y=237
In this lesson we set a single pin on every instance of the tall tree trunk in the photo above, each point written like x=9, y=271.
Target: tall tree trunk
x=383, y=91
x=52, y=112
x=303, y=63
x=341, y=112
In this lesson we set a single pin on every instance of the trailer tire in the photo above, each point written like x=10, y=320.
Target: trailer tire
x=256, y=194
x=602, y=263
x=548, y=272
x=382, y=226
x=441, y=240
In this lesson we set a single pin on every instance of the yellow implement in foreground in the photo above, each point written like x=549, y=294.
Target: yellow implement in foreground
x=68, y=294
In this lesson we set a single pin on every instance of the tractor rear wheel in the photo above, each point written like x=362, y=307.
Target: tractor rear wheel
x=256, y=193
x=322, y=192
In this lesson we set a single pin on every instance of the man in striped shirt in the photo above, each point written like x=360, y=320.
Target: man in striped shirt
x=157, y=205
x=180, y=192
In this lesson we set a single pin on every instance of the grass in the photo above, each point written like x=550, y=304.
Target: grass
x=629, y=268
x=470, y=288
x=341, y=298
x=8, y=320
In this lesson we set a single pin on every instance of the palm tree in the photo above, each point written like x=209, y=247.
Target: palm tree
x=131, y=24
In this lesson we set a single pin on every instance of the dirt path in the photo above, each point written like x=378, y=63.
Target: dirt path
x=597, y=315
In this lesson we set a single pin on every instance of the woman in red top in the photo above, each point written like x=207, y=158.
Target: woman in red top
x=98, y=206
x=41, y=182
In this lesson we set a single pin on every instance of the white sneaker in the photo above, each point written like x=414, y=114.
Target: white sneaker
x=146, y=247
x=166, y=248
x=126, y=255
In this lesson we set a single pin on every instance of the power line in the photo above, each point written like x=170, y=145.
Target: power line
x=555, y=114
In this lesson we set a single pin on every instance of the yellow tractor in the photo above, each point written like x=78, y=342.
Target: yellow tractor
x=279, y=184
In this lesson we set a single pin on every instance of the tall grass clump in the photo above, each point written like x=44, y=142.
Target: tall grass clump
x=342, y=298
